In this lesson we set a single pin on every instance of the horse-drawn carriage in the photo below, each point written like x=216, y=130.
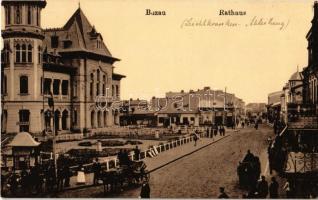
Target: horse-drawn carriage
x=249, y=171
x=133, y=173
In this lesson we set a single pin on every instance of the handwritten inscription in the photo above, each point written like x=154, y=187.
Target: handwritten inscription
x=252, y=22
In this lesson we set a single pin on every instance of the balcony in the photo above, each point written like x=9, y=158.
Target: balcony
x=302, y=116
x=301, y=162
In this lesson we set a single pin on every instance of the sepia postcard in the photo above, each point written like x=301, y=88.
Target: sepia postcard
x=159, y=99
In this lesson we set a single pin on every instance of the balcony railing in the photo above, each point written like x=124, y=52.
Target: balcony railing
x=302, y=110
x=302, y=116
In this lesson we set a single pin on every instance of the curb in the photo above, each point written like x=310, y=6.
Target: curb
x=163, y=165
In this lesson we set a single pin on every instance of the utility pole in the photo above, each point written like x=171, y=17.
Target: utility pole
x=51, y=105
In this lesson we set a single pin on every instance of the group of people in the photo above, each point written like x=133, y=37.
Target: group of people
x=123, y=157
x=262, y=189
x=214, y=130
x=38, y=179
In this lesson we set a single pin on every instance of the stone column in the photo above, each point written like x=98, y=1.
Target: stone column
x=68, y=121
x=35, y=68
x=11, y=72
x=95, y=119
x=60, y=90
x=60, y=122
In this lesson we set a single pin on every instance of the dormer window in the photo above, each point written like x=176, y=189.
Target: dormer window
x=98, y=44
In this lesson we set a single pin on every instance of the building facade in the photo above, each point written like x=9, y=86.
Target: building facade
x=71, y=64
x=193, y=108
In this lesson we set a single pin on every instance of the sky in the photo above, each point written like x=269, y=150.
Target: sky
x=159, y=55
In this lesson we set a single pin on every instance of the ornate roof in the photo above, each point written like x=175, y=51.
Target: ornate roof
x=23, y=139
x=296, y=76
x=81, y=35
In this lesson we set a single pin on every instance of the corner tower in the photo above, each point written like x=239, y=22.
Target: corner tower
x=22, y=60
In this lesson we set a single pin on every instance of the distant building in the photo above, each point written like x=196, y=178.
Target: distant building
x=274, y=106
x=72, y=63
x=297, y=123
x=255, y=109
x=193, y=108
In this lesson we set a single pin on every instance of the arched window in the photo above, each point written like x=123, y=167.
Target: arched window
x=65, y=87
x=117, y=91
x=23, y=53
x=98, y=75
x=64, y=120
x=93, y=119
x=91, y=84
x=97, y=88
x=99, y=119
x=105, y=118
x=4, y=85
x=56, y=86
x=74, y=118
x=97, y=84
x=24, y=85
x=29, y=53
x=18, y=15
x=104, y=84
x=29, y=15
x=18, y=53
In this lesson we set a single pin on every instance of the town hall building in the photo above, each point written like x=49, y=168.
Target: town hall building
x=70, y=64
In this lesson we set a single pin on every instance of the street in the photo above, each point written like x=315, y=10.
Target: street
x=200, y=174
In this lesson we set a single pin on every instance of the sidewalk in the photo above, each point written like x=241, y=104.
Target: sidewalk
x=162, y=159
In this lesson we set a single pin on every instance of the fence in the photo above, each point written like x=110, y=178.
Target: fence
x=112, y=162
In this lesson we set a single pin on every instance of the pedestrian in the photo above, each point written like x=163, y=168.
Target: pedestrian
x=273, y=189
x=96, y=170
x=13, y=183
x=25, y=181
x=60, y=178
x=195, y=138
x=120, y=157
x=215, y=130
x=262, y=188
x=223, y=195
x=67, y=175
x=223, y=130
x=242, y=124
x=256, y=125
x=50, y=178
x=248, y=157
x=145, y=190
x=137, y=153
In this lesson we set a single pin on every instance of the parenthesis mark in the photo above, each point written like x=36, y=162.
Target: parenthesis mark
x=287, y=24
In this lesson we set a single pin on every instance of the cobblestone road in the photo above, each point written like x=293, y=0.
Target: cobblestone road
x=200, y=174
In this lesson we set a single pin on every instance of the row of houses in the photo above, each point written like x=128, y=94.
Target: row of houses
x=294, y=113
x=192, y=108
